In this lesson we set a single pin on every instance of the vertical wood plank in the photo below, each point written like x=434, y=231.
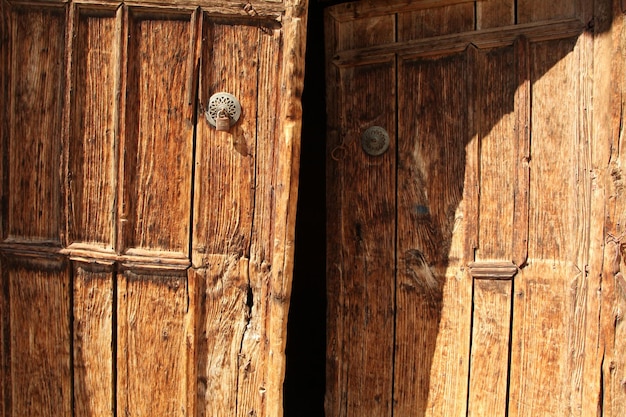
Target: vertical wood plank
x=435, y=21
x=93, y=340
x=433, y=294
x=489, y=367
x=495, y=72
x=33, y=157
x=610, y=145
x=5, y=342
x=155, y=343
x=529, y=11
x=550, y=294
x=522, y=151
x=158, y=143
x=225, y=161
x=223, y=318
x=361, y=334
x=40, y=338
x=254, y=369
x=495, y=13
x=92, y=159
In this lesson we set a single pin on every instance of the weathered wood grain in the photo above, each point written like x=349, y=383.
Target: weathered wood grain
x=33, y=192
x=158, y=141
x=225, y=161
x=550, y=294
x=223, y=317
x=494, y=71
x=369, y=31
x=363, y=327
x=433, y=296
x=537, y=10
x=254, y=370
x=610, y=153
x=40, y=355
x=435, y=22
x=93, y=340
x=495, y=13
x=489, y=362
x=155, y=344
x=92, y=165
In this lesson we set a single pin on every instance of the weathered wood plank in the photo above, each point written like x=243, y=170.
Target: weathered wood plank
x=435, y=22
x=360, y=342
x=39, y=294
x=495, y=13
x=92, y=149
x=495, y=72
x=158, y=141
x=254, y=369
x=225, y=161
x=489, y=362
x=156, y=344
x=609, y=91
x=550, y=294
x=537, y=10
x=433, y=310
x=34, y=142
x=223, y=317
x=364, y=32
x=93, y=348
x=522, y=150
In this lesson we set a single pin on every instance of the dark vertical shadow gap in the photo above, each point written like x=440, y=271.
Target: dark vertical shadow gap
x=306, y=329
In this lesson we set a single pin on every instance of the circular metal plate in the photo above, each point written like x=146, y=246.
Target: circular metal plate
x=375, y=141
x=223, y=102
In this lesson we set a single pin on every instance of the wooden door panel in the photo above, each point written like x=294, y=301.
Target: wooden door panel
x=158, y=133
x=40, y=357
x=94, y=129
x=156, y=343
x=94, y=339
x=361, y=327
x=432, y=295
x=111, y=168
x=36, y=66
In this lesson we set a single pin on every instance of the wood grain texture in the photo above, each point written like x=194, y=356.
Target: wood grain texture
x=254, y=370
x=93, y=340
x=33, y=159
x=495, y=121
x=158, y=141
x=223, y=317
x=537, y=10
x=155, y=344
x=495, y=13
x=433, y=295
x=609, y=53
x=489, y=362
x=435, y=22
x=92, y=148
x=550, y=295
x=368, y=31
x=39, y=294
x=225, y=161
x=361, y=334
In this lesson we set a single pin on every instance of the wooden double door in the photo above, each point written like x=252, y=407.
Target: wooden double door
x=464, y=265
x=146, y=257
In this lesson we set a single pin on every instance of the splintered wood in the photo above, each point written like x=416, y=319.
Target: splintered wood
x=146, y=258
x=491, y=263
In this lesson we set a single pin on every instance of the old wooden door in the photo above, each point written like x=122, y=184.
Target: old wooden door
x=146, y=258
x=465, y=264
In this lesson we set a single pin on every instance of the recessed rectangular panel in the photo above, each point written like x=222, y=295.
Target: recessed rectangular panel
x=34, y=142
x=40, y=347
x=158, y=134
x=91, y=153
x=437, y=21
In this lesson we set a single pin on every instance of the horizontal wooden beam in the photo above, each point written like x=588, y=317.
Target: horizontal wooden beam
x=493, y=270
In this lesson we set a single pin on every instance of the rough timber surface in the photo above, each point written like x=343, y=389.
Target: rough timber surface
x=153, y=254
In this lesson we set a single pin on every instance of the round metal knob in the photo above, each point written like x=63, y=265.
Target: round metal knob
x=375, y=141
x=220, y=104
